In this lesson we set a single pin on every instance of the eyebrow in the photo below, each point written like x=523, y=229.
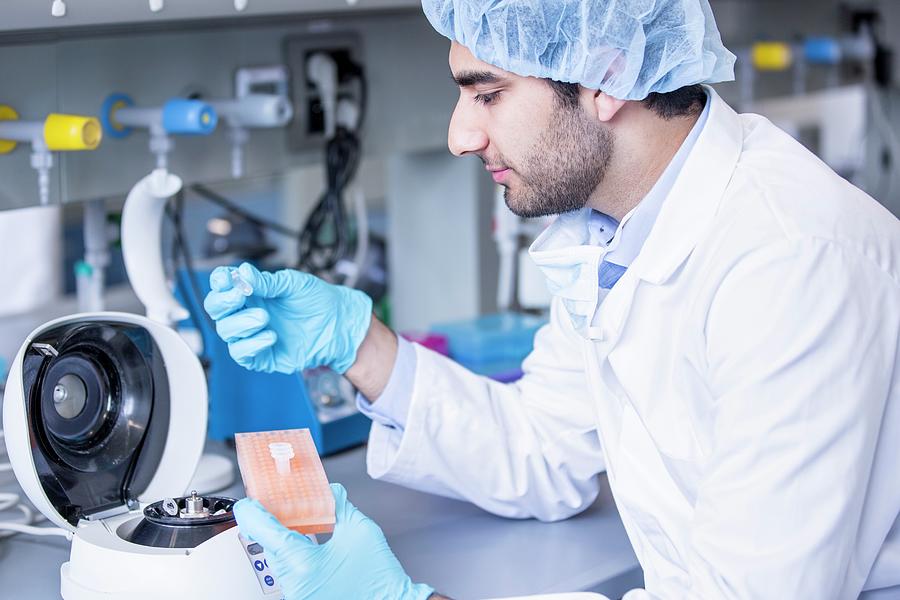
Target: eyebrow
x=470, y=78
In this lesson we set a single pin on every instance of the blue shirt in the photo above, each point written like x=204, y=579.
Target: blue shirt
x=623, y=242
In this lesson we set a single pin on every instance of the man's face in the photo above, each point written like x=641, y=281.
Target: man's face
x=549, y=157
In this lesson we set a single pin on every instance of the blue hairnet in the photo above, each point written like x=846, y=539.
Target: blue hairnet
x=626, y=48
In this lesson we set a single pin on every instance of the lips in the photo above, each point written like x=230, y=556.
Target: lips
x=499, y=175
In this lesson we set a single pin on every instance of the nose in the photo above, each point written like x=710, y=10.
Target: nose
x=465, y=135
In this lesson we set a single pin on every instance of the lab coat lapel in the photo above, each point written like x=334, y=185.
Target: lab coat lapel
x=686, y=213
x=694, y=199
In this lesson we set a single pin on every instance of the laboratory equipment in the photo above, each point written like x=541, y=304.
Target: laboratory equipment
x=57, y=132
x=178, y=116
x=119, y=404
x=252, y=110
x=860, y=48
x=142, y=215
x=90, y=273
x=493, y=345
x=282, y=471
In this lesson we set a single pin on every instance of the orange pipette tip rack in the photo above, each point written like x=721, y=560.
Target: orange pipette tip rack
x=282, y=470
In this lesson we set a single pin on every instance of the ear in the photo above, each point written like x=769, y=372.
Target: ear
x=606, y=106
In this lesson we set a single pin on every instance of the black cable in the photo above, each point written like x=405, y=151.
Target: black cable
x=176, y=212
x=207, y=194
x=325, y=239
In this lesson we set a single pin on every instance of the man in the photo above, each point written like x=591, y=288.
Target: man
x=724, y=333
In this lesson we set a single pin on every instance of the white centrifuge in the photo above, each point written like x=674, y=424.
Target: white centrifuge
x=105, y=420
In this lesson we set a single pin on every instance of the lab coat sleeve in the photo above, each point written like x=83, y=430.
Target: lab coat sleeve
x=802, y=344
x=525, y=449
x=392, y=406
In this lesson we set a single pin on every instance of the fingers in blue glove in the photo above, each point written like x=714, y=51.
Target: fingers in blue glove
x=219, y=304
x=248, y=348
x=242, y=324
x=346, y=515
x=259, y=524
x=220, y=279
x=342, y=506
x=279, y=284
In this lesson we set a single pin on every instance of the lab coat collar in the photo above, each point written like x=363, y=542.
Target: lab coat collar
x=694, y=198
x=569, y=261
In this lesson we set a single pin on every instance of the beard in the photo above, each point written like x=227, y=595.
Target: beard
x=563, y=168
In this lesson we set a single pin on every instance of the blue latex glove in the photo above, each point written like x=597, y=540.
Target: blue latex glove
x=355, y=563
x=291, y=321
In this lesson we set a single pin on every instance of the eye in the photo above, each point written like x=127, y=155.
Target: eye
x=487, y=98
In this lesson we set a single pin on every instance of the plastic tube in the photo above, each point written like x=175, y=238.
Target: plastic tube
x=240, y=283
x=282, y=452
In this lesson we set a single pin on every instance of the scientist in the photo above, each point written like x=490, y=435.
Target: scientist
x=724, y=332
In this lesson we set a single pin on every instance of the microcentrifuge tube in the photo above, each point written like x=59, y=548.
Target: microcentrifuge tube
x=282, y=452
x=240, y=283
x=170, y=507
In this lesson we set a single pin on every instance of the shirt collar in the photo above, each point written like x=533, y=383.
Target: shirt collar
x=624, y=240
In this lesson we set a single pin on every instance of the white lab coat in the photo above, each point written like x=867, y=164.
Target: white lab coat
x=741, y=383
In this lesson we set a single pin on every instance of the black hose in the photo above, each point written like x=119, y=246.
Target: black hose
x=207, y=194
x=325, y=237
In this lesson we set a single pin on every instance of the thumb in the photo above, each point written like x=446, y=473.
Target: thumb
x=346, y=515
x=260, y=525
x=272, y=285
x=343, y=508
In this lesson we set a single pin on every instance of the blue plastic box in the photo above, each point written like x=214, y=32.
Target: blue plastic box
x=492, y=345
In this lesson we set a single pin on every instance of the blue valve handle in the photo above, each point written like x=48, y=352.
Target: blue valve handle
x=188, y=117
x=179, y=116
x=822, y=51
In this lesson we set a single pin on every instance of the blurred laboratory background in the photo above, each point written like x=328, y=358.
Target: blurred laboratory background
x=144, y=143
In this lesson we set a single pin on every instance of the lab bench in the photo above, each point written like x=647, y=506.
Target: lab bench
x=456, y=547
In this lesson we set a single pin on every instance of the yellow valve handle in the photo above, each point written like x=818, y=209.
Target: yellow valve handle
x=7, y=114
x=72, y=132
x=772, y=56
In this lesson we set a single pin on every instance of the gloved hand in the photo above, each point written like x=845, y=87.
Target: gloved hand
x=355, y=563
x=292, y=320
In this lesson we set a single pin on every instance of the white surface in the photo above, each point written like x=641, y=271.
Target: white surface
x=442, y=257
x=187, y=417
x=213, y=473
x=34, y=237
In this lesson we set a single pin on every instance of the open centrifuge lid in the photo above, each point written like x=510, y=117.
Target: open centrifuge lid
x=184, y=436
